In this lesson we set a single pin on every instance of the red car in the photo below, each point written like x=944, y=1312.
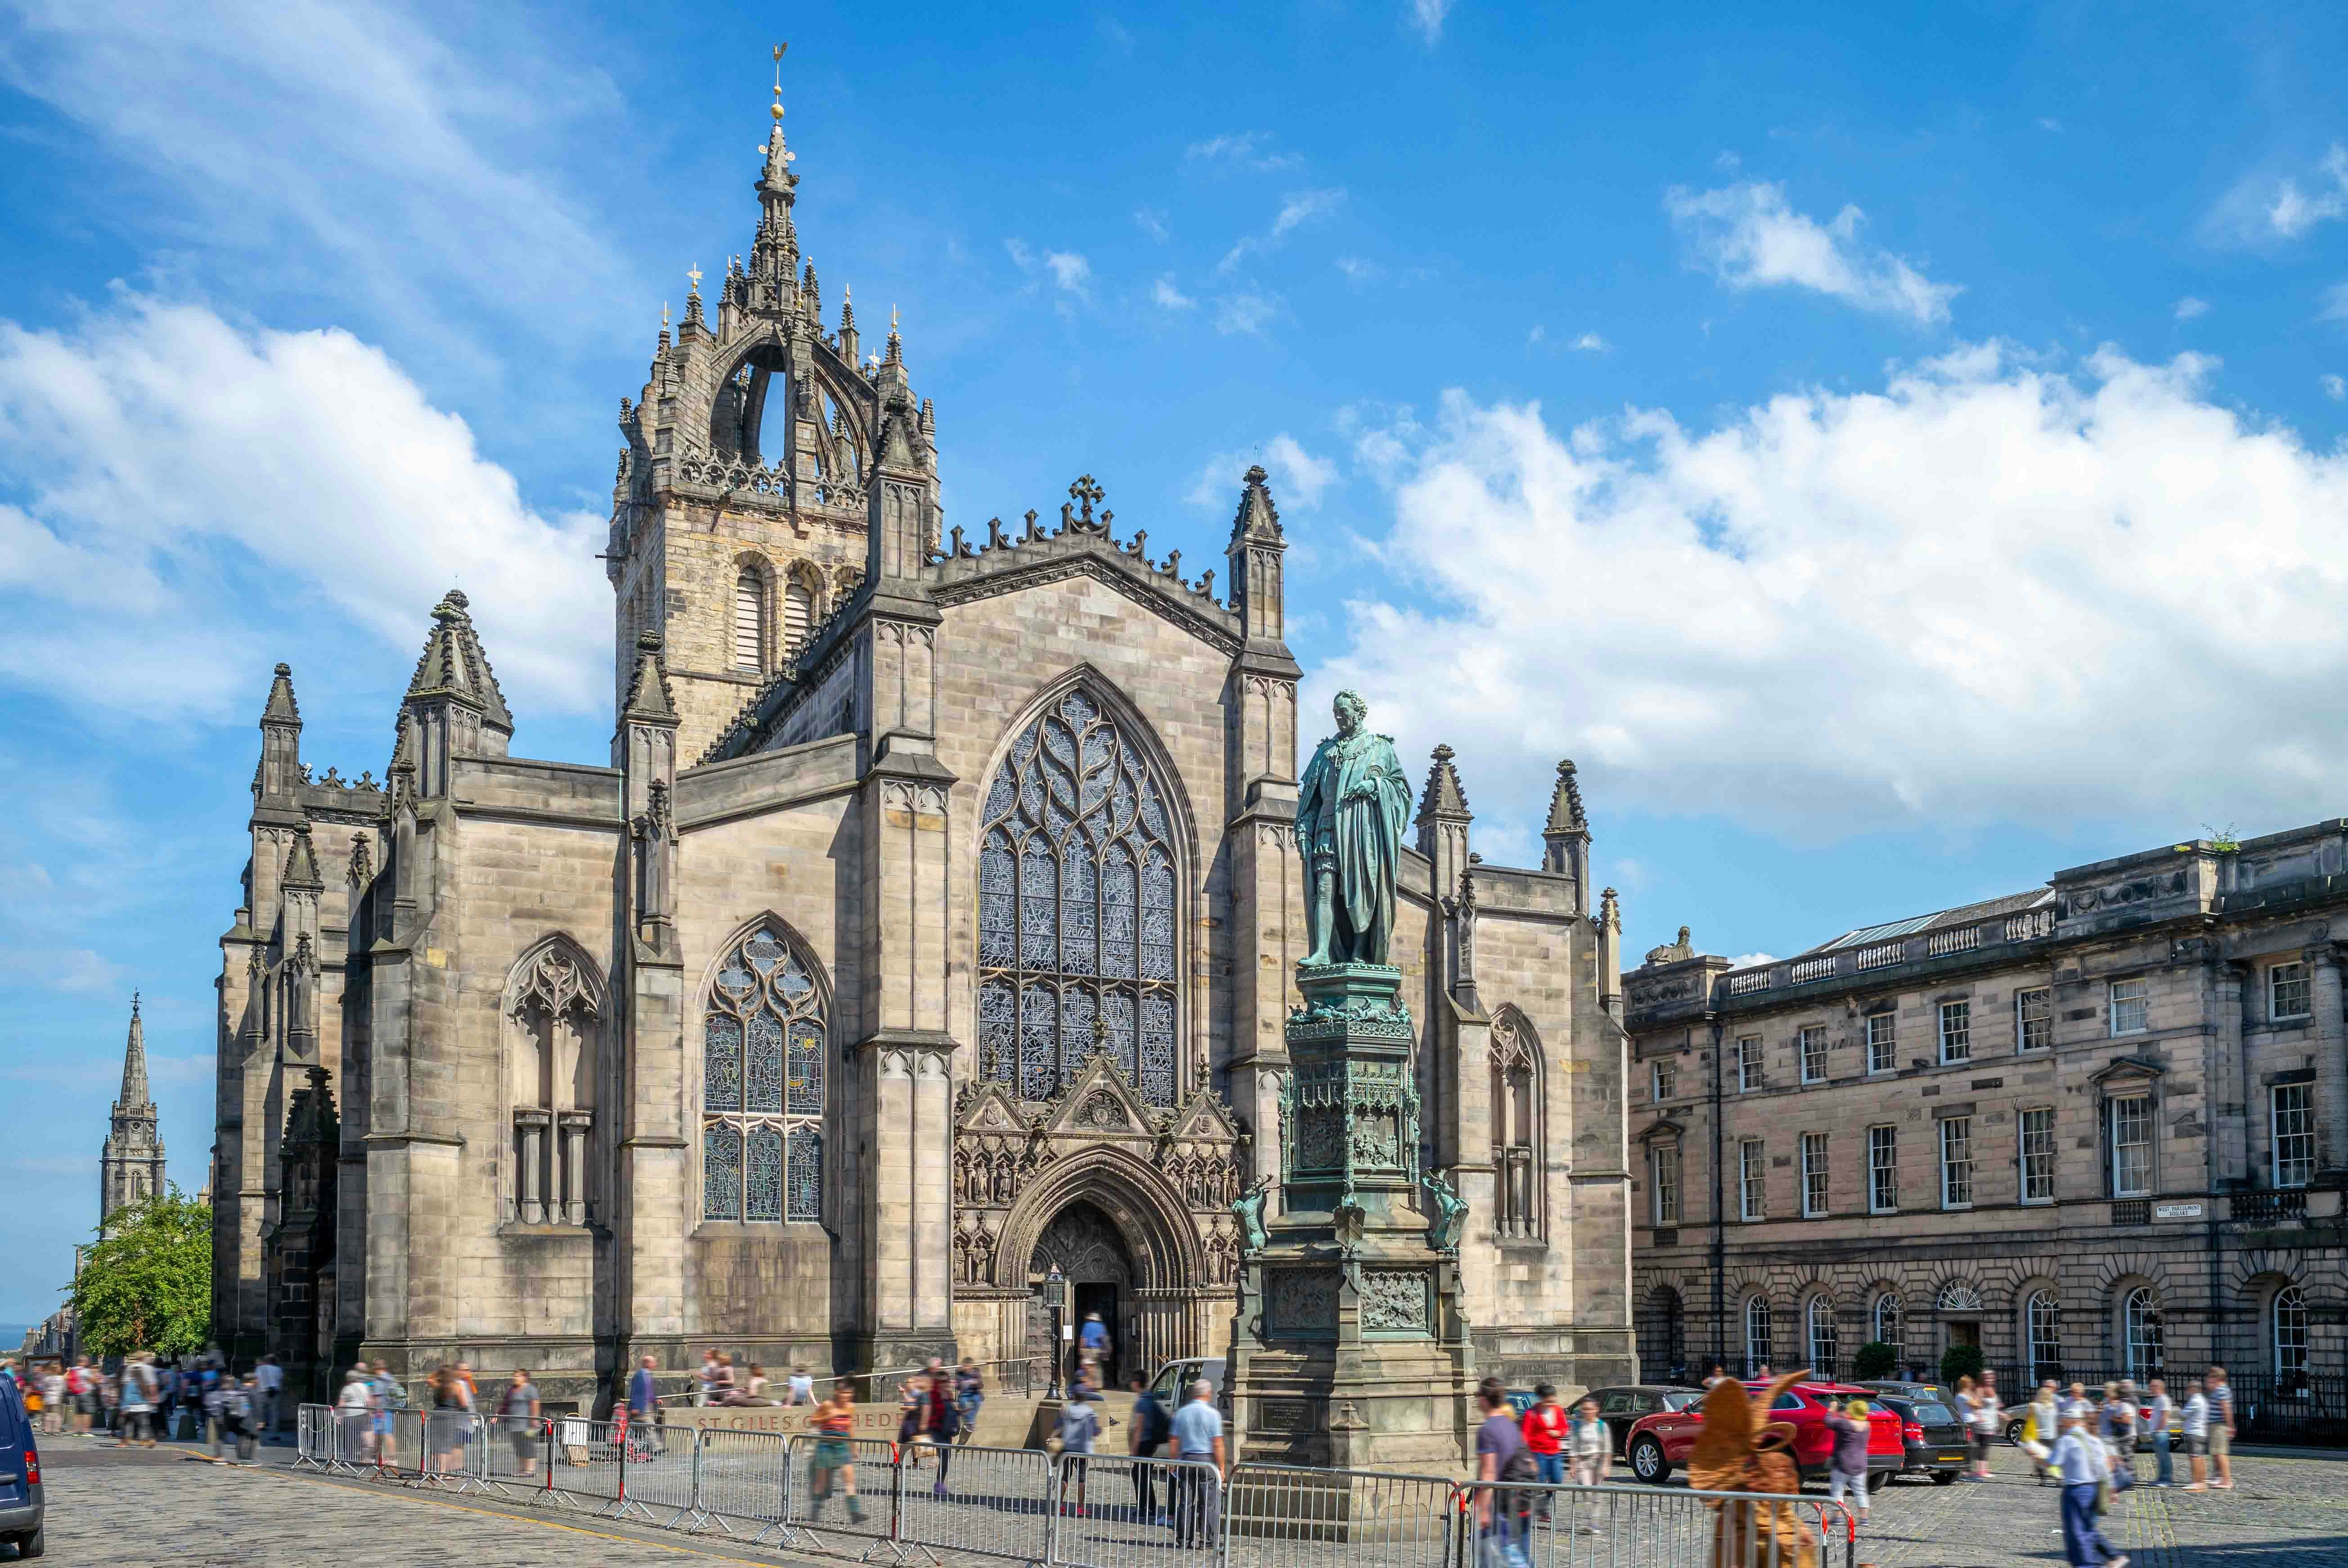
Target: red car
x=1663, y=1440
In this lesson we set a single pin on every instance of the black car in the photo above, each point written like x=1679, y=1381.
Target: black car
x=1619, y=1406
x=21, y=1505
x=1934, y=1438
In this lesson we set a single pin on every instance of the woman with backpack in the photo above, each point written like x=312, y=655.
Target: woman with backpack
x=1847, y=1469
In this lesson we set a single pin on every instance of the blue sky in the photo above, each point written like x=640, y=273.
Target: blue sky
x=1895, y=449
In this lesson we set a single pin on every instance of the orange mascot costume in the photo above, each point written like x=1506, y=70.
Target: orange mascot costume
x=1739, y=1451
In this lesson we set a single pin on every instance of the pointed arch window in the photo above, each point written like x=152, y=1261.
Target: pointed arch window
x=1077, y=909
x=762, y=1090
x=1516, y=1115
x=749, y=620
x=557, y=1009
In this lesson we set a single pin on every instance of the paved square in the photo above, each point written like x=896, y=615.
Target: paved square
x=129, y=1510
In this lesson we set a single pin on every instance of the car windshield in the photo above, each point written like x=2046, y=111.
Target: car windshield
x=1935, y=1415
x=1682, y=1401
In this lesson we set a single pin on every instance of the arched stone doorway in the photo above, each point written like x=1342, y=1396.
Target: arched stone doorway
x=1090, y=1252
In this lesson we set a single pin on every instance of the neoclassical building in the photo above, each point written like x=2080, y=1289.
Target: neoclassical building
x=2097, y=1128
x=931, y=924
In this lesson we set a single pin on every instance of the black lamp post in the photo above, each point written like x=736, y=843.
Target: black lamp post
x=1056, y=1296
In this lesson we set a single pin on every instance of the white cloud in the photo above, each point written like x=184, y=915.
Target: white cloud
x=1980, y=594
x=1587, y=343
x=1590, y=342
x=1245, y=312
x=1247, y=148
x=166, y=457
x=2336, y=387
x=2335, y=307
x=1361, y=271
x=1749, y=238
x=71, y=970
x=2189, y=308
x=2048, y=122
x=1070, y=275
x=1298, y=478
x=2265, y=209
x=264, y=123
x=1151, y=222
x=1163, y=292
x=1428, y=16
x=1069, y=270
x=1744, y=961
x=1297, y=209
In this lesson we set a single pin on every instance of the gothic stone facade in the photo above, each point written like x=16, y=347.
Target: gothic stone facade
x=932, y=923
x=2096, y=1128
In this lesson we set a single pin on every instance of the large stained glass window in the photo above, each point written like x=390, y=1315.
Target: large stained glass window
x=1076, y=920
x=762, y=1086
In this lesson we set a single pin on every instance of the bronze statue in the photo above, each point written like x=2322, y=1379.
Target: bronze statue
x=1350, y=813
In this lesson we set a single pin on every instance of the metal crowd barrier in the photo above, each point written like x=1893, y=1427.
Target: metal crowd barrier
x=1069, y=1511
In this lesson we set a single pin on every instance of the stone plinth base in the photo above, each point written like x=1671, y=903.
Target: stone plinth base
x=1350, y=1349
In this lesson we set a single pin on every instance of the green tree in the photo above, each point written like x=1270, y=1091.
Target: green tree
x=1961, y=1362
x=147, y=1284
x=1876, y=1360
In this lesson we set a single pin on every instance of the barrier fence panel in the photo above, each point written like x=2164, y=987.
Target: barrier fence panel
x=1114, y=1510
x=515, y=1456
x=314, y=1432
x=449, y=1458
x=1609, y=1526
x=350, y=1450
x=843, y=1487
x=658, y=1471
x=745, y=1478
x=399, y=1444
x=1276, y=1516
x=992, y=1501
x=586, y=1463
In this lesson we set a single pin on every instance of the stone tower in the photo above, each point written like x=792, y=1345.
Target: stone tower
x=740, y=509
x=131, y=1166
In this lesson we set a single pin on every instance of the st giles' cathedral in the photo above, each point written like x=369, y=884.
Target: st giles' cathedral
x=932, y=924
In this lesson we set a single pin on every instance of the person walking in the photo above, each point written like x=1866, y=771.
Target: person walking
x=1093, y=1347
x=355, y=1414
x=137, y=1403
x=643, y=1396
x=2041, y=1426
x=2077, y=1403
x=1988, y=1415
x=2081, y=1461
x=834, y=1423
x=269, y=1377
x=242, y=1402
x=2195, y=1422
x=2221, y=1426
x=1080, y=1426
x=519, y=1405
x=708, y=1393
x=452, y=1418
x=1153, y=1424
x=52, y=1398
x=2158, y=1401
x=1500, y=1458
x=1544, y=1430
x=970, y=1395
x=1847, y=1466
x=390, y=1398
x=1199, y=1446
x=2116, y=1426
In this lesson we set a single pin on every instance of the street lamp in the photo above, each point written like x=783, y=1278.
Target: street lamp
x=1056, y=1296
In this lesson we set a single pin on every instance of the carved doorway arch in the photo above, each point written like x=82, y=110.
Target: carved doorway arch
x=1110, y=1220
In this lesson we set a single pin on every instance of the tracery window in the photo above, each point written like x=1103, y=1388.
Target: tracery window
x=762, y=1085
x=1078, y=906
x=1516, y=1141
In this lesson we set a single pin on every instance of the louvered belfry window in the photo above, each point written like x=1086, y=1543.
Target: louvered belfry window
x=1076, y=909
x=798, y=616
x=749, y=620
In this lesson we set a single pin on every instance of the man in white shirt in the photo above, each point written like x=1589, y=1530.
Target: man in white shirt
x=2158, y=1401
x=1198, y=1442
x=270, y=1378
x=2079, y=1459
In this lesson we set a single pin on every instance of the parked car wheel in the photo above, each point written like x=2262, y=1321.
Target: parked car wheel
x=2014, y=1428
x=33, y=1545
x=1943, y=1476
x=1877, y=1479
x=1648, y=1463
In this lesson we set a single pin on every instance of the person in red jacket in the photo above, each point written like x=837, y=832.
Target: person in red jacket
x=1544, y=1430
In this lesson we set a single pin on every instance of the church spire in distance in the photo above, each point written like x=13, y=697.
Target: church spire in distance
x=134, y=1096
x=774, y=258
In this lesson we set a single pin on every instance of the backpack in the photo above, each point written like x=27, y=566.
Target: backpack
x=1157, y=1426
x=1521, y=1468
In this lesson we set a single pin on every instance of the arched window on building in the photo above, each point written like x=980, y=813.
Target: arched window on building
x=555, y=1001
x=751, y=620
x=1826, y=1350
x=1516, y=1115
x=1078, y=909
x=1889, y=1320
x=1760, y=1331
x=762, y=1102
x=798, y=615
x=2287, y=1334
x=2042, y=1334
x=2140, y=1337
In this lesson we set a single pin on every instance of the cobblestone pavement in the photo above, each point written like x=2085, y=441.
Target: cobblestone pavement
x=136, y=1509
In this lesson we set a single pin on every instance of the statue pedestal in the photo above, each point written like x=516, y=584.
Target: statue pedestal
x=1350, y=1349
